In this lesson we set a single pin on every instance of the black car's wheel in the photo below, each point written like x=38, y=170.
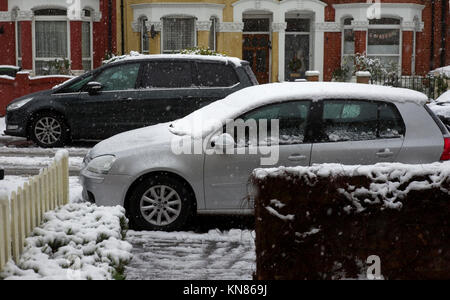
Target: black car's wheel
x=49, y=130
x=161, y=203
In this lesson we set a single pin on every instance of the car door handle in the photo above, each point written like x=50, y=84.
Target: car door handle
x=385, y=153
x=297, y=157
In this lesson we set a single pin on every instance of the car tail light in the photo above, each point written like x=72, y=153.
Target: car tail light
x=446, y=154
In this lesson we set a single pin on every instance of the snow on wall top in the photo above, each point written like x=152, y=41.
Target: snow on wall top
x=391, y=182
x=135, y=55
x=212, y=117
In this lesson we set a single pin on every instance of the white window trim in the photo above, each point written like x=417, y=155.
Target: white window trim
x=91, y=21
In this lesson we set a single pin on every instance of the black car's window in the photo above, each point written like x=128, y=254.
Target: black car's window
x=216, y=75
x=355, y=120
x=77, y=86
x=119, y=78
x=291, y=117
x=172, y=74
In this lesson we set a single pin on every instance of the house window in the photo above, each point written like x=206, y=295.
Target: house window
x=383, y=41
x=348, y=36
x=51, y=39
x=86, y=40
x=213, y=34
x=297, y=47
x=178, y=34
x=145, y=41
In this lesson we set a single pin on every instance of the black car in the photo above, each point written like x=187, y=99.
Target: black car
x=126, y=94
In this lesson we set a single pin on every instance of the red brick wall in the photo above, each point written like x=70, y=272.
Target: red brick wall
x=407, y=52
x=22, y=85
x=75, y=51
x=332, y=54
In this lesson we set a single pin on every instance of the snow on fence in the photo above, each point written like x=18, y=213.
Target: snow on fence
x=331, y=221
x=24, y=209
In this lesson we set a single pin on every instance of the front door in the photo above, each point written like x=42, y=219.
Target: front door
x=256, y=50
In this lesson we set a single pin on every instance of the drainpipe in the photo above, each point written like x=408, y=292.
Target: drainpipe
x=122, y=26
x=110, y=16
x=443, y=31
x=433, y=10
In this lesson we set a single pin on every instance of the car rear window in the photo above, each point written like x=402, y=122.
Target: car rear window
x=216, y=75
x=437, y=120
x=356, y=120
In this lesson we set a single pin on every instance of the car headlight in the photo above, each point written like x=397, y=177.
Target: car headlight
x=101, y=164
x=18, y=104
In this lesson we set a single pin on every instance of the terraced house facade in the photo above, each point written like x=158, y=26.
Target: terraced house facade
x=281, y=39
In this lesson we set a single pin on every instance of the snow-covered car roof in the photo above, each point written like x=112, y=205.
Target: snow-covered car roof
x=212, y=117
x=137, y=56
x=445, y=97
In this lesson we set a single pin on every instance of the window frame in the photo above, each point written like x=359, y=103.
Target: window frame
x=88, y=19
x=400, y=40
x=49, y=18
x=309, y=127
x=163, y=33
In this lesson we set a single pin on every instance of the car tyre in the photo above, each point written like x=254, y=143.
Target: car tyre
x=49, y=130
x=161, y=203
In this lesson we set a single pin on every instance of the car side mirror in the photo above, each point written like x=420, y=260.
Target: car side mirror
x=223, y=143
x=94, y=88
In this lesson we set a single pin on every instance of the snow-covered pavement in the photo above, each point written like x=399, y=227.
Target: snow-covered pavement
x=214, y=255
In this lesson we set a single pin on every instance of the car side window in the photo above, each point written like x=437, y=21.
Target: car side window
x=390, y=121
x=77, y=86
x=292, y=120
x=216, y=75
x=119, y=78
x=356, y=120
x=171, y=74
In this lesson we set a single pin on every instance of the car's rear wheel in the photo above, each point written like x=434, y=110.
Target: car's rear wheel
x=162, y=203
x=49, y=130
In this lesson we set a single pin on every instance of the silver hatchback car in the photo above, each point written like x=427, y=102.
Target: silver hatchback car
x=165, y=174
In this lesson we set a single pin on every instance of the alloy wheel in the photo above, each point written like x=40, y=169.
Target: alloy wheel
x=160, y=205
x=48, y=130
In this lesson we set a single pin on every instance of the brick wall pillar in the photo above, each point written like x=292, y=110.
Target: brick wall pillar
x=360, y=41
x=27, y=45
x=75, y=46
x=407, y=52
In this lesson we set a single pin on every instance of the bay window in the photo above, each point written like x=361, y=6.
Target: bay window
x=178, y=34
x=86, y=40
x=384, y=40
x=348, y=53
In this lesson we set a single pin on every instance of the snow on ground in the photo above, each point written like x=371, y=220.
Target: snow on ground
x=214, y=255
x=77, y=241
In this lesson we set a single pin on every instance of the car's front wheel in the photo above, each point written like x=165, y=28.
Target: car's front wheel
x=49, y=130
x=161, y=203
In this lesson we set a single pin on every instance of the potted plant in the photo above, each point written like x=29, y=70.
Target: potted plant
x=295, y=65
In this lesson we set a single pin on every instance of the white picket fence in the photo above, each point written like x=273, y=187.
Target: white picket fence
x=24, y=209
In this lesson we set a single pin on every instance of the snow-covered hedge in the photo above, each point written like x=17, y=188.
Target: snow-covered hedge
x=325, y=221
x=76, y=242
